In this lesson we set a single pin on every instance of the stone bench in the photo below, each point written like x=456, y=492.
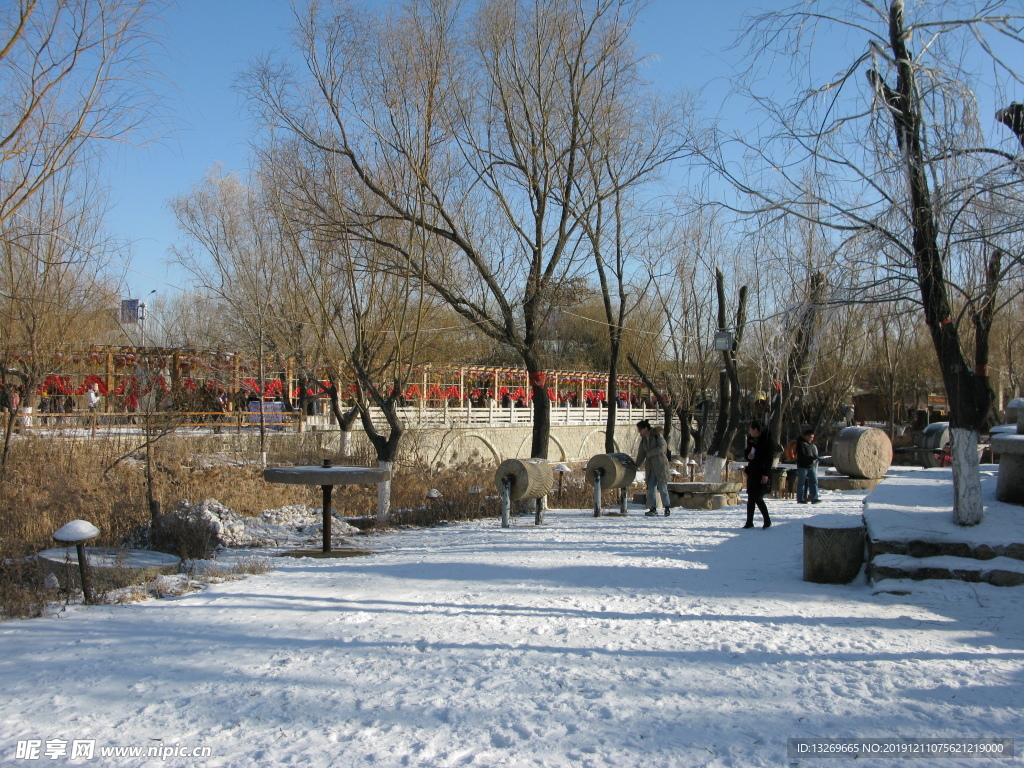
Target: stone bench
x=704, y=495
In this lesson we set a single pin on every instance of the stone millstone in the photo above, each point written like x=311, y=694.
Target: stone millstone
x=833, y=548
x=727, y=488
x=112, y=568
x=862, y=452
x=315, y=475
x=618, y=470
x=934, y=437
x=531, y=478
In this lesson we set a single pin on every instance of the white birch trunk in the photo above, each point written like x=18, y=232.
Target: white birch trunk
x=968, y=508
x=384, y=493
x=713, y=468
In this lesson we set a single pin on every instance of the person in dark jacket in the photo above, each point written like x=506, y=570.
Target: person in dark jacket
x=759, y=467
x=807, y=469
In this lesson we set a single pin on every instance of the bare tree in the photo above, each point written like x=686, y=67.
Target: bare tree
x=896, y=340
x=233, y=232
x=475, y=128
x=56, y=289
x=73, y=75
x=903, y=164
x=729, y=392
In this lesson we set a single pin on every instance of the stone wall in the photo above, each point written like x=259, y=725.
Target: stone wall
x=437, y=446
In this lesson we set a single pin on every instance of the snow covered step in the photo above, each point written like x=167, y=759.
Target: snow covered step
x=998, y=571
x=920, y=549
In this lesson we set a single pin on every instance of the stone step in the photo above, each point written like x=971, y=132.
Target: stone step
x=921, y=549
x=998, y=571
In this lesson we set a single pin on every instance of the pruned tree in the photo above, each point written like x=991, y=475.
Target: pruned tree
x=729, y=392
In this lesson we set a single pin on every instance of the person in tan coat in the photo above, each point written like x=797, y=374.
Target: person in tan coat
x=653, y=456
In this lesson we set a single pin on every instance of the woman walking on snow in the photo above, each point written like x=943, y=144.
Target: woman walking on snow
x=759, y=467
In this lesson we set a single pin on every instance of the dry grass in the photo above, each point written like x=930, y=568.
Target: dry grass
x=23, y=591
x=51, y=481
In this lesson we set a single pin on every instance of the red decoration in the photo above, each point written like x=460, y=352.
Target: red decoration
x=538, y=379
x=61, y=384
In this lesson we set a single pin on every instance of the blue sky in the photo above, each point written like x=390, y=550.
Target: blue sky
x=207, y=43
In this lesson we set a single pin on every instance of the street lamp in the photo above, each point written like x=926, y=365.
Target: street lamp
x=142, y=315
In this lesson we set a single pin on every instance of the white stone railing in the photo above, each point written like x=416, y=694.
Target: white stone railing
x=415, y=416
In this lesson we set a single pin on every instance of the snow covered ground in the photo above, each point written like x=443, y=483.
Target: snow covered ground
x=680, y=641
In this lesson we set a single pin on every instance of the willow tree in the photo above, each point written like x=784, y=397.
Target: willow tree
x=237, y=256
x=477, y=127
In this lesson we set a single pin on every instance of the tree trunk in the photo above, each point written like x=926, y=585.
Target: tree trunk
x=12, y=414
x=384, y=493
x=345, y=420
x=732, y=425
x=722, y=422
x=685, y=438
x=613, y=400
x=962, y=386
x=968, y=503
x=541, y=407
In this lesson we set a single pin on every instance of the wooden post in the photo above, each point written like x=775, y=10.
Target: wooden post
x=109, y=377
x=597, y=492
x=85, y=572
x=327, y=517
x=327, y=510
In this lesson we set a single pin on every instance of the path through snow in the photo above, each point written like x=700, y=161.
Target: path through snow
x=587, y=642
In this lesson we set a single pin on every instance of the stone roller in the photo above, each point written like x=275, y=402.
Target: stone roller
x=618, y=470
x=863, y=452
x=531, y=478
x=934, y=437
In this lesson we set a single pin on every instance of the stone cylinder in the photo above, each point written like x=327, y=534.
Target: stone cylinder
x=531, y=478
x=618, y=470
x=933, y=438
x=833, y=549
x=862, y=452
x=1014, y=409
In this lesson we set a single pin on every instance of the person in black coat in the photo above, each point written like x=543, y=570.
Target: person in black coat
x=759, y=468
x=806, y=469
